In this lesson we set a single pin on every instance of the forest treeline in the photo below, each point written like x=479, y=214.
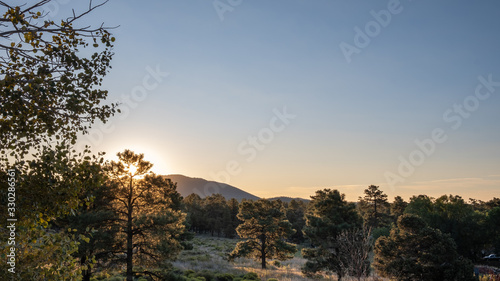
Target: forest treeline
x=473, y=224
x=467, y=229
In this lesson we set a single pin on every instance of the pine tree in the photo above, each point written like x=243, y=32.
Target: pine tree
x=328, y=214
x=265, y=230
x=149, y=207
x=374, y=207
x=215, y=209
x=416, y=252
x=295, y=213
x=398, y=207
x=452, y=215
x=231, y=220
x=193, y=205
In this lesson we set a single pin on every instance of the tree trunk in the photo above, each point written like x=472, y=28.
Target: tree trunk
x=86, y=274
x=129, y=236
x=129, y=250
x=263, y=250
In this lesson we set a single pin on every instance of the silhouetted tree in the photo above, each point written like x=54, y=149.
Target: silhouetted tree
x=452, y=215
x=231, y=220
x=265, y=230
x=493, y=229
x=493, y=203
x=374, y=207
x=149, y=208
x=328, y=214
x=215, y=209
x=416, y=252
x=398, y=207
x=295, y=213
x=195, y=214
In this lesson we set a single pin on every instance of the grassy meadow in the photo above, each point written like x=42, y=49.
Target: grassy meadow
x=209, y=254
x=207, y=261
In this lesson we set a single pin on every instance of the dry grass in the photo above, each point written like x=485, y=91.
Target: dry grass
x=209, y=253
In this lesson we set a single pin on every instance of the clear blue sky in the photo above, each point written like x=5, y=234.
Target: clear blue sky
x=352, y=119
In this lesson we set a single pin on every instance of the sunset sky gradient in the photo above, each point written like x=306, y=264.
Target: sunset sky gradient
x=416, y=72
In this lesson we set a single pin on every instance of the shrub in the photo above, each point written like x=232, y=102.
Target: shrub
x=251, y=276
x=224, y=277
x=174, y=275
x=207, y=275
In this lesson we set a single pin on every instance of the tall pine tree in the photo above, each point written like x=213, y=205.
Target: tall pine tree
x=265, y=229
x=328, y=214
x=149, y=208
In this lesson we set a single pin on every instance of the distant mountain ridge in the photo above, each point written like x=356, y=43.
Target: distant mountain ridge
x=187, y=186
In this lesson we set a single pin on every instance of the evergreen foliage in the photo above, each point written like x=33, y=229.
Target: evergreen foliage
x=148, y=205
x=265, y=230
x=328, y=214
x=414, y=251
x=374, y=207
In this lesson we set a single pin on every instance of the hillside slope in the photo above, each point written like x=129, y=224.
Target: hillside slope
x=204, y=188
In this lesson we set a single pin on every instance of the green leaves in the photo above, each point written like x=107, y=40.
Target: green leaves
x=48, y=88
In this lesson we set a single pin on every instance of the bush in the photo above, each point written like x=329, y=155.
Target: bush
x=174, y=275
x=205, y=274
x=272, y=279
x=224, y=277
x=251, y=276
x=277, y=263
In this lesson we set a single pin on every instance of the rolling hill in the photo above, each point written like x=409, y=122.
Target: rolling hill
x=204, y=188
